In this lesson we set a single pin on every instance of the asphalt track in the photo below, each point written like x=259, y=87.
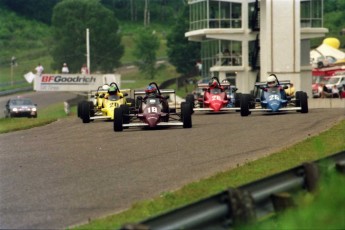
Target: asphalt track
x=67, y=172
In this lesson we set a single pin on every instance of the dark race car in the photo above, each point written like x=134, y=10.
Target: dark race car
x=273, y=100
x=20, y=107
x=152, y=111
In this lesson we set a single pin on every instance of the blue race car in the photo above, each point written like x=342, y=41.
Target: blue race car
x=273, y=100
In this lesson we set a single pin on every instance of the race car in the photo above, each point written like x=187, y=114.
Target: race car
x=102, y=103
x=273, y=100
x=216, y=97
x=152, y=111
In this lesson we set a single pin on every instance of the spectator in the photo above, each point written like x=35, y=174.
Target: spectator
x=226, y=57
x=335, y=92
x=325, y=92
x=84, y=70
x=65, y=68
x=39, y=69
x=342, y=94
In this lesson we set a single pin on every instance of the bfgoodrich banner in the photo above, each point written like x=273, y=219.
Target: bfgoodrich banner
x=73, y=82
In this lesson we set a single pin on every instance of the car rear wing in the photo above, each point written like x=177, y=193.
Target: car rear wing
x=206, y=85
x=162, y=91
x=283, y=82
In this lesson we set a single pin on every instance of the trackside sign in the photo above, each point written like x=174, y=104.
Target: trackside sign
x=73, y=82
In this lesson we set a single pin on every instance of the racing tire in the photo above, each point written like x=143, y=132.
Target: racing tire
x=132, y=101
x=186, y=114
x=92, y=109
x=244, y=105
x=298, y=98
x=238, y=99
x=190, y=99
x=85, y=112
x=125, y=113
x=304, y=102
x=79, y=109
x=118, y=120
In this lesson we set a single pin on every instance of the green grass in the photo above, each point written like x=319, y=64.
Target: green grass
x=45, y=116
x=311, y=149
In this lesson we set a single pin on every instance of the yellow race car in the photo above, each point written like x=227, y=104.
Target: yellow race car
x=103, y=102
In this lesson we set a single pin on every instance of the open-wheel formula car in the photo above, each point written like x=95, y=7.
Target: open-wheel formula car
x=152, y=111
x=216, y=97
x=273, y=100
x=103, y=102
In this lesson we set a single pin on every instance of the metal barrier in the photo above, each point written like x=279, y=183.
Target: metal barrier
x=245, y=203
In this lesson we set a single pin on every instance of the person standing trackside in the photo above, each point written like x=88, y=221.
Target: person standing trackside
x=84, y=69
x=65, y=68
x=39, y=69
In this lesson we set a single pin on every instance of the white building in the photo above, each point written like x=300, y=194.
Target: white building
x=263, y=37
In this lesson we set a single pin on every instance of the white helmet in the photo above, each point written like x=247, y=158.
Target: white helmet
x=105, y=87
x=271, y=81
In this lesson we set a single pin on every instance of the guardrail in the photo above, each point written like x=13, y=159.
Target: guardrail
x=245, y=203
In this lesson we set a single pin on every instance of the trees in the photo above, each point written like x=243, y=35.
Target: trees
x=70, y=20
x=146, y=46
x=182, y=53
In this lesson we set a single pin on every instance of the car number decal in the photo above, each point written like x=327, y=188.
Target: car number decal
x=216, y=97
x=152, y=109
x=273, y=97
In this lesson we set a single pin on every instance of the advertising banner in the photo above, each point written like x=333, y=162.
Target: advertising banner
x=74, y=82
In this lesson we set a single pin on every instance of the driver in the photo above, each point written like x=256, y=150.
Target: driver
x=214, y=84
x=272, y=82
x=113, y=91
x=151, y=92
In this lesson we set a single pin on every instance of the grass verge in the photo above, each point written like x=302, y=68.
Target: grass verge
x=313, y=148
x=45, y=116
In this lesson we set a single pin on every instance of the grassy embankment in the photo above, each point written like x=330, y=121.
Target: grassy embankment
x=311, y=149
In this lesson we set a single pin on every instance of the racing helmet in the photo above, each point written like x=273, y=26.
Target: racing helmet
x=227, y=83
x=112, y=90
x=271, y=81
x=213, y=83
x=151, y=90
x=105, y=87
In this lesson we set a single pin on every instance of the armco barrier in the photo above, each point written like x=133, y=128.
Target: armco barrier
x=245, y=203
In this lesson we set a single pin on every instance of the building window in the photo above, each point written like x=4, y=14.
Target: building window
x=220, y=53
x=311, y=13
x=214, y=14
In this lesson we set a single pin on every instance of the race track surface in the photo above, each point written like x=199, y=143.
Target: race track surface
x=67, y=172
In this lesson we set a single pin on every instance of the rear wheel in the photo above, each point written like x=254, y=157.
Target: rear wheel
x=190, y=99
x=125, y=113
x=244, y=104
x=304, y=102
x=132, y=101
x=238, y=99
x=85, y=112
x=118, y=120
x=186, y=114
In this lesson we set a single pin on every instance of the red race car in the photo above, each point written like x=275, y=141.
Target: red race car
x=152, y=111
x=216, y=97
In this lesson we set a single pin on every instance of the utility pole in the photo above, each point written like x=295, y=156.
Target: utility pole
x=88, y=50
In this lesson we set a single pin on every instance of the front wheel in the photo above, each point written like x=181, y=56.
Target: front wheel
x=85, y=112
x=304, y=102
x=244, y=104
x=118, y=120
x=186, y=114
x=190, y=99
